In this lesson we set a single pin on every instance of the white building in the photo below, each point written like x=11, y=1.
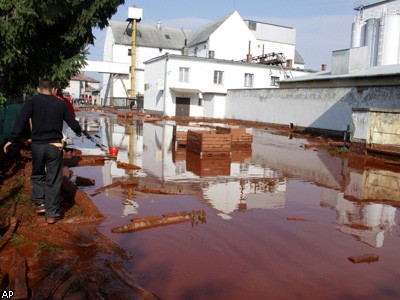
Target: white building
x=377, y=26
x=196, y=86
x=228, y=38
x=82, y=86
x=151, y=41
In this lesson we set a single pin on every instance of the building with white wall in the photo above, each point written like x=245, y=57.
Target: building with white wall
x=81, y=86
x=151, y=41
x=196, y=86
x=374, y=54
x=273, y=38
x=228, y=38
x=377, y=26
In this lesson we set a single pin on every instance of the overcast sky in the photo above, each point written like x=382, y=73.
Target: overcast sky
x=322, y=26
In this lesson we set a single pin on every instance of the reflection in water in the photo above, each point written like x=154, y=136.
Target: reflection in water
x=208, y=165
x=250, y=179
x=366, y=221
x=373, y=185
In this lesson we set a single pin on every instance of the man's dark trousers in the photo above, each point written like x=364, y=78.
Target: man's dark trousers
x=47, y=163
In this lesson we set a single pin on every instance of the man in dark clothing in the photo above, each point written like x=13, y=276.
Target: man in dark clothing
x=47, y=114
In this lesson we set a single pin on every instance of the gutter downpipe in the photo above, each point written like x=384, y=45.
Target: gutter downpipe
x=165, y=84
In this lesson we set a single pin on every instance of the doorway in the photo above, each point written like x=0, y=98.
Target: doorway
x=182, y=107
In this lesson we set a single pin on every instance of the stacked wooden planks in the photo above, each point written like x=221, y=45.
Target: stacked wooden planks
x=181, y=138
x=208, y=142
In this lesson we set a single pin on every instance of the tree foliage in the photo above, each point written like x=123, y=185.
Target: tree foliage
x=47, y=38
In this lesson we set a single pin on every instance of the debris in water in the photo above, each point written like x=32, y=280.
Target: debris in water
x=99, y=190
x=167, y=219
x=297, y=219
x=122, y=165
x=83, y=181
x=366, y=258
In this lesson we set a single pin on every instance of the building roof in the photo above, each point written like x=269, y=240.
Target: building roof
x=83, y=77
x=149, y=35
x=203, y=33
x=379, y=71
x=217, y=60
x=298, y=59
x=359, y=5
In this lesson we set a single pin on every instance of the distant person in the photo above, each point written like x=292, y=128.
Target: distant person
x=57, y=93
x=47, y=114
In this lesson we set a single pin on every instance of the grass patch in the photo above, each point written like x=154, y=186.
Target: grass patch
x=49, y=246
x=343, y=150
x=76, y=211
x=18, y=239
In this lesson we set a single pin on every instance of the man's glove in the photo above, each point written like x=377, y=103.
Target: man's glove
x=6, y=146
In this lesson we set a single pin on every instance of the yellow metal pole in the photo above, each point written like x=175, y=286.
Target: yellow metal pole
x=132, y=94
x=131, y=146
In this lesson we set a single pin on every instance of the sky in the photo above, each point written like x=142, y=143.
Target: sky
x=322, y=26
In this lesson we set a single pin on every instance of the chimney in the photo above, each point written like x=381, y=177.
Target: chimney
x=323, y=67
x=249, y=56
x=158, y=25
x=185, y=49
x=289, y=63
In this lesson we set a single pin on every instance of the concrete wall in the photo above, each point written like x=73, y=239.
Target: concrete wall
x=377, y=126
x=324, y=108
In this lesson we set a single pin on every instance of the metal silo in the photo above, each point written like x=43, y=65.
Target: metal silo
x=371, y=39
x=390, y=41
x=357, y=34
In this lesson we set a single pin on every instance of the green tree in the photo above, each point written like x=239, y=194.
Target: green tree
x=47, y=38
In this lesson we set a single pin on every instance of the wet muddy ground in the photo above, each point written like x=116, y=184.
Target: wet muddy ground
x=289, y=218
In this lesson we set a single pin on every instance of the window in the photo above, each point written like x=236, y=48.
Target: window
x=253, y=25
x=248, y=80
x=219, y=77
x=274, y=81
x=184, y=74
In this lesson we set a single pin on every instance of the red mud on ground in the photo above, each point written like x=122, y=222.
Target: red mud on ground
x=296, y=244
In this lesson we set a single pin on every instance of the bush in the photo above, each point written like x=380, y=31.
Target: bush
x=3, y=100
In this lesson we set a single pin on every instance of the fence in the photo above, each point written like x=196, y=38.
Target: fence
x=8, y=115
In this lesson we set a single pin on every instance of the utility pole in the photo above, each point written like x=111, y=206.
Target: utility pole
x=134, y=16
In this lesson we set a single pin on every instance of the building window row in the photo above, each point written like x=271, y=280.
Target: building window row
x=219, y=77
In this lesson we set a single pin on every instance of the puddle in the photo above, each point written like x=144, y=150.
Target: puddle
x=282, y=220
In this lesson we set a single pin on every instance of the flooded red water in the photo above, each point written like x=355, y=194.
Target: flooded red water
x=281, y=224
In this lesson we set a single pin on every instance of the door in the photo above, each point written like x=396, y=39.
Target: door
x=182, y=107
